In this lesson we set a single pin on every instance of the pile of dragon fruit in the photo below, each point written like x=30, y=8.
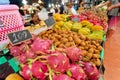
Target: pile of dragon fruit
x=93, y=18
x=40, y=60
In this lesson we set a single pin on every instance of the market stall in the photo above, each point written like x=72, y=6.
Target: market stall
x=63, y=47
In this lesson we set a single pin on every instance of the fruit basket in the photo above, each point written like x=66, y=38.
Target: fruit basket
x=12, y=21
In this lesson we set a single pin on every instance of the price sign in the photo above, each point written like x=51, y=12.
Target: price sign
x=19, y=36
x=50, y=21
x=75, y=19
x=1, y=24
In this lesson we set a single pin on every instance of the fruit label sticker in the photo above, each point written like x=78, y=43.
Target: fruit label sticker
x=75, y=19
x=50, y=21
x=19, y=36
x=1, y=24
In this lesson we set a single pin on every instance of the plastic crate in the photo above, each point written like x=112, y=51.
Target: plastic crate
x=12, y=21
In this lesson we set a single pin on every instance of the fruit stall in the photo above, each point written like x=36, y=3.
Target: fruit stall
x=64, y=47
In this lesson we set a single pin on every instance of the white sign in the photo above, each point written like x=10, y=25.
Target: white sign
x=65, y=1
x=43, y=15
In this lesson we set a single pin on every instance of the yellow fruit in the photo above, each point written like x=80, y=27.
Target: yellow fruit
x=60, y=23
x=56, y=26
x=85, y=22
x=97, y=28
x=57, y=17
x=42, y=23
x=90, y=25
x=14, y=76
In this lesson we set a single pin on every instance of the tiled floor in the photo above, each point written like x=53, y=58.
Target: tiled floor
x=112, y=57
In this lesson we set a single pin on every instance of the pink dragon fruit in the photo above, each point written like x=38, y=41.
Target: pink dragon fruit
x=39, y=69
x=91, y=71
x=15, y=51
x=77, y=72
x=41, y=45
x=30, y=54
x=29, y=41
x=22, y=46
x=25, y=72
x=62, y=77
x=22, y=58
x=73, y=53
x=58, y=61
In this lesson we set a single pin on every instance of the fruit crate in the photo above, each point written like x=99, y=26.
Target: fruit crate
x=103, y=43
x=12, y=21
x=102, y=68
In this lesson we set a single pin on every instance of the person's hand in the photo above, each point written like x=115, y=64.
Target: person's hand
x=109, y=8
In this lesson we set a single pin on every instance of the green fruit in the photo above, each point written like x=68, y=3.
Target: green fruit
x=85, y=31
x=99, y=35
x=67, y=25
x=76, y=26
x=96, y=36
x=90, y=25
x=63, y=28
x=56, y=26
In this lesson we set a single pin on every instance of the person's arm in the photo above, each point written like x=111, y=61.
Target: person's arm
x=113, y=6
x=103, y=4
x=74, y=11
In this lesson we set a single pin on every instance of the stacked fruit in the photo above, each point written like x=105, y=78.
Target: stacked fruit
x=85, y=27
x=61, y=17
x=44, y=62
x=65, y=39
x=97, y=17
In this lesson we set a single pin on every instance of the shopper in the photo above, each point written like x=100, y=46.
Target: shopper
x=43, y=14
x=62, y=9
x=113, y=14
x=71, y=9
x=42, y=8
x=52, y=10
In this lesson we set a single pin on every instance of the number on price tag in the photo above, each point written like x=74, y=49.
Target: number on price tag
x=19, y=36
x=49, y=22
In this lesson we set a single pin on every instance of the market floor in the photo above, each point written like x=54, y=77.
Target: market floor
x=112, y=57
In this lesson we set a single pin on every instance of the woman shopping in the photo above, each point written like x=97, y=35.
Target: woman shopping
x=113, y=14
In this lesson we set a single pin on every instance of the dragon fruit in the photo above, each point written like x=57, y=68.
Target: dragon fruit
x=62, y=77
x=91, y=71
x=22, y=58
x=30, y=54
x=58, y=61
x=25, y=72
x=73, y=53
x=77, y=72
x=22, y=46
x=41, y=45
x=29, y=41
x=15, y=51
x=39, y=69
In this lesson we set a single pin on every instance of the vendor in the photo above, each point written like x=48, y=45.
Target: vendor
x=70, y=9
x=113, y=14
x=35, y=19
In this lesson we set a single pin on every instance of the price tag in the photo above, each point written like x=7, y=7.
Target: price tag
x=1, y=24
x=19, y=36
x=75, y=19
x=50, y=21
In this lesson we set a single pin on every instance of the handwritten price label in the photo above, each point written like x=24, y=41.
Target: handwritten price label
x=50, y=21
x=19, y=36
